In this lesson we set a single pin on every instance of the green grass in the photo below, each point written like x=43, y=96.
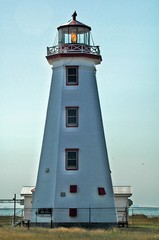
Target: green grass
x=142, y=221
x=141, y=228
x=75, y=233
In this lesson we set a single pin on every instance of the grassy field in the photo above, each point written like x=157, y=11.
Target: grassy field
x=142, y=228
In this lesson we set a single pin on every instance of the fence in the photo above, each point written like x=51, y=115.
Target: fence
x=132, y=217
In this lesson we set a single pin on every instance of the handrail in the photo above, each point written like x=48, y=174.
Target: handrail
x=73, y=48
x=10, y=200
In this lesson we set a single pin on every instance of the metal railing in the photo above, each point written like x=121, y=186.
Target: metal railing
x=73, y=48
x=132, y=217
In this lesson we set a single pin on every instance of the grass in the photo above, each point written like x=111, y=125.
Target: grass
x=142, y=221
x=142, y=228
x=75, y=234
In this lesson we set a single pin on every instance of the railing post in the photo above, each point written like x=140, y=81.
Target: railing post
x=14, y=199
x=89, y=215
x=51, y=218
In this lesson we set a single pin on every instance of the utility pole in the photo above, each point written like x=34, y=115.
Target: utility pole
x=14, y=199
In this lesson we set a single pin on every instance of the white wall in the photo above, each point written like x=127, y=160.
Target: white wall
x=27, y=207
x=93, y=171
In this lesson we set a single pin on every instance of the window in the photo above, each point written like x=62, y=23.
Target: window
x=71, y=116
x=73, y=212
x=71, y=159
x=73, y=188
x=72, y=75
x=44, y=211
x=63, y=194
x=101, y=191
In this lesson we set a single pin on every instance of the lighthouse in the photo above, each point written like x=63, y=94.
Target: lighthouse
x=74, y=183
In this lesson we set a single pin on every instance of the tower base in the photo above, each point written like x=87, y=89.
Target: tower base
x=93, y=225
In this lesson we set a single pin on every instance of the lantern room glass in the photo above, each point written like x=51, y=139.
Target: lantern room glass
x=74, y=35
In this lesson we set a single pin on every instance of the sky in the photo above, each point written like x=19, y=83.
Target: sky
x=128, y=83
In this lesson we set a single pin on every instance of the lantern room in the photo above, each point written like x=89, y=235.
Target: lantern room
x=74, y=32
x=74, y=39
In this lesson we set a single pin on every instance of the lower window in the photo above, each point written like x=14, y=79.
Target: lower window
x=44, y=211
x=71, y=116
x=71, y=159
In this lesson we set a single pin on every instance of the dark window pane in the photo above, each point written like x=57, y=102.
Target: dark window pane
x=72, y=79
x=71, y=155
x=72, y=71
x=71, y=163
x=72, y=120
x=72, y=112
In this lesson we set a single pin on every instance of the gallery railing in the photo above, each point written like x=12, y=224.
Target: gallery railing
x=73, y=48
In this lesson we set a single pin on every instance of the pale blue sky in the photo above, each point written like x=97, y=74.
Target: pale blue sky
x=128, y=80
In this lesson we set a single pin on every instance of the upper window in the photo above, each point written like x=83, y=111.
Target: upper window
x=72, y=75
x=71, y=116
x=71, y=159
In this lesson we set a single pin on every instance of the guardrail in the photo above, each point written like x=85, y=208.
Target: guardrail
x=131, y=217
x=73, y=48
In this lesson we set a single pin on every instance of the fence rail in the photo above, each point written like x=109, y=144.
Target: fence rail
x=130, y=215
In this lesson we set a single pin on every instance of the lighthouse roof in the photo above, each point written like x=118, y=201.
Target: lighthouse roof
x=74, y=23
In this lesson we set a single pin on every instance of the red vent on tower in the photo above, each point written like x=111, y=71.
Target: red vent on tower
x=73, y=188
x=73, y=212
x=101, y=191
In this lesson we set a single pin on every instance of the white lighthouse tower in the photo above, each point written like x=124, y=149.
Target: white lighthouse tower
x=74, y=183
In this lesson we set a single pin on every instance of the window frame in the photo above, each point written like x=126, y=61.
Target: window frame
x=67, y=116
x=69, y=83
x=75, y=167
